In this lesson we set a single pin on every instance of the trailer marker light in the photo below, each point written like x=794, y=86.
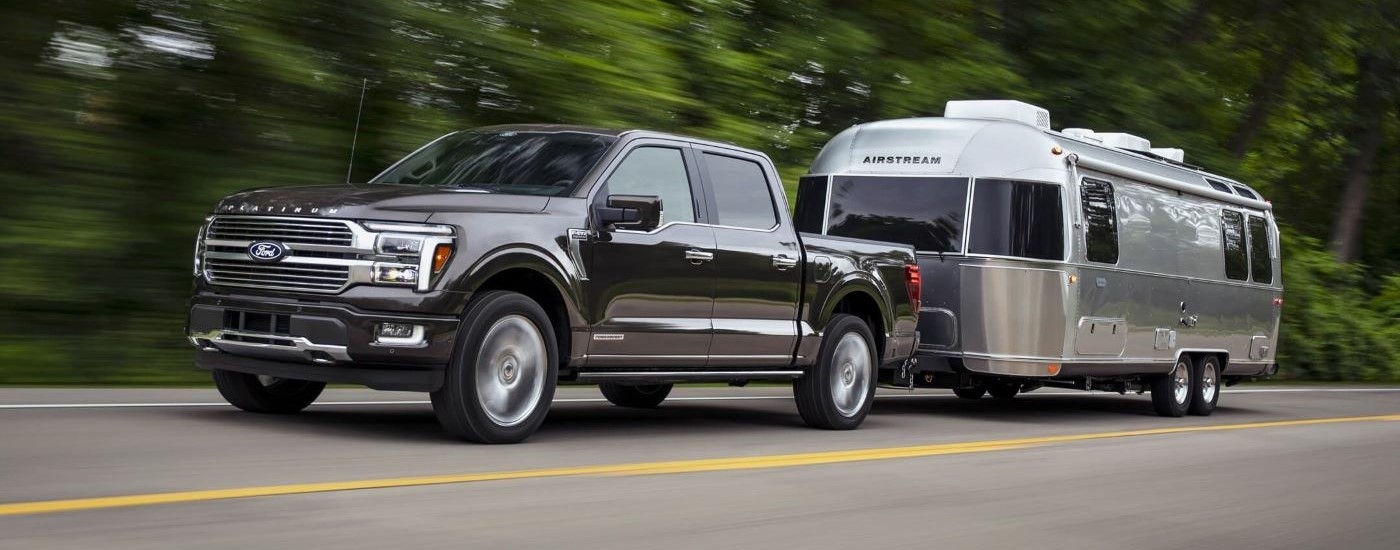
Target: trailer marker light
x=1053, y=369
x=1073, y=279
x=1057, y=150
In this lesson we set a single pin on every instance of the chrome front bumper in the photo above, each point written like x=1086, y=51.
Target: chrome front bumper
x=269, y=346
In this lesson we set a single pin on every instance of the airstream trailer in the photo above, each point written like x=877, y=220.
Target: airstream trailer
x=1075, y=258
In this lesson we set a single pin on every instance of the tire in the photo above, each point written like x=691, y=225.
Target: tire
x=975, y=392
x=501, y=381
x=1171, y=392
x=636, y=396
x=266, y=394
x=1205, y=386
x=1004, y=391
x=837, y=392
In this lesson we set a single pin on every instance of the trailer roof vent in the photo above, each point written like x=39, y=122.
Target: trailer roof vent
x=1125, y=141
x=1171, y=154
x=1000, y=109
x=1082, y=134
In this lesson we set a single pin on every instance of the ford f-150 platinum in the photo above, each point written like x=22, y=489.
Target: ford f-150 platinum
x=492, y=264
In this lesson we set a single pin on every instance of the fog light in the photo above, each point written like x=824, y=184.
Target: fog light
x=398, y=334
x=396, y=274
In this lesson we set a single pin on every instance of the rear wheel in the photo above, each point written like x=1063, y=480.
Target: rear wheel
x=502, y=377
x=837, y=392
x=1004, y=390
x=1172, y=392
x=974, y=392
x=637, y=396
x=1205, y=386
x=266, y=394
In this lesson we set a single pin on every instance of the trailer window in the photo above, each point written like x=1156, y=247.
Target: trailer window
x=1232, y=237
x=926, y=213
x=1017, y=218
x=1100, y=221
x=1260, y=251
x=811, y=204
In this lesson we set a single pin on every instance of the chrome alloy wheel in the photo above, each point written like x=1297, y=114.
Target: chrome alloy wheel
x=1181, y=378
x=1209, y=382
x=850, y=383
x=510, y=370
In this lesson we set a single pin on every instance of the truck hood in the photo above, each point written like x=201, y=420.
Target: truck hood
x=409, y=203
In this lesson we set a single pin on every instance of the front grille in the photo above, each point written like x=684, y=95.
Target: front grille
x=284, y=276
x=283, y=230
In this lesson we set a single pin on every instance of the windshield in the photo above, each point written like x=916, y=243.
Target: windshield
x=521, y=163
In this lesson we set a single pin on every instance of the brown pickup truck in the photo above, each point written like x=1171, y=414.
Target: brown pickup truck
x=493, y=264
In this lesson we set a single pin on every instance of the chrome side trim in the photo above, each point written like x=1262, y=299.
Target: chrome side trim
x=297, y=347
x=688, y=375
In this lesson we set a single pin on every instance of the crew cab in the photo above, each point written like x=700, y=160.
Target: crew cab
x=493, y=264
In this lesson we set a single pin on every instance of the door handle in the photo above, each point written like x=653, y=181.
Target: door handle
x=698, y=257
x=784, y=262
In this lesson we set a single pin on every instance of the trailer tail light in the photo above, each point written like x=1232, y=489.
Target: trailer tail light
x=915, y=282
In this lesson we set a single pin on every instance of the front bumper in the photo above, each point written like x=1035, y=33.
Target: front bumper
x=321, y=341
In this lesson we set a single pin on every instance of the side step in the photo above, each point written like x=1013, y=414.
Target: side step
x=685, y=376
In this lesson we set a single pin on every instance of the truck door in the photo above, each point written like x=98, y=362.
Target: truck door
x=758, y=272
x=650, y=293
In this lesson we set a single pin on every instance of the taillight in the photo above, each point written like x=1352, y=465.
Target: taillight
x=915, y=282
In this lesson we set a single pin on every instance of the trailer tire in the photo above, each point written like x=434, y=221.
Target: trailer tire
x=636, y=396
x=974, y=392
x=501, y=380
x=838, y=390
x=266, y=394
x=1171, y=392
x=1205, y=386
x=1004, y=391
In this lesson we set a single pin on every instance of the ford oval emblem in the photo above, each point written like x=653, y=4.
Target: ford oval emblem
x=266, y=251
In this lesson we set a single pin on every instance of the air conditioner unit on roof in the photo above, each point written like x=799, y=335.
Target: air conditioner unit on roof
x=1172, y=154
x=1000, y=109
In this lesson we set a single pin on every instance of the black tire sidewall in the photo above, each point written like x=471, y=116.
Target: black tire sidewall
x=813, y=391
x=637, y=396
x=1164, y=390
x=1199, y=406
x=246, y=392
x=457, y=404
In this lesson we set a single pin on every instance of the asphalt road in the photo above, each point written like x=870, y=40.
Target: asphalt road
x=1047, y=470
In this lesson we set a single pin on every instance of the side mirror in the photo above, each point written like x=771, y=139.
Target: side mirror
x=640, y=212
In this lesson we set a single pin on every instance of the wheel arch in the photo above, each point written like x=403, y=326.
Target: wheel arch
x=536, y=275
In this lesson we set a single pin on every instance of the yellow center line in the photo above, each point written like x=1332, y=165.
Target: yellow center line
x=645, y=468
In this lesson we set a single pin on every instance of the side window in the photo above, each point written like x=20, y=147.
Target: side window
x=1017, y=218
x=1260, y=251
x=1100, y=221
x=742, y=196
x=658, y=171
x=1232, y=237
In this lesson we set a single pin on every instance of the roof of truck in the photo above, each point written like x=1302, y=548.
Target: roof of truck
x=610, y=132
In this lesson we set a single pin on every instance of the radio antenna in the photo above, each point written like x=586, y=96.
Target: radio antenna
x=355, y=138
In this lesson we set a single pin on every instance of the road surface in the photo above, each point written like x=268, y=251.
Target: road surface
x=1275, y=467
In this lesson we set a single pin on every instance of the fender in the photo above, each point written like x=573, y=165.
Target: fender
x=851, y=283
x=522, y=256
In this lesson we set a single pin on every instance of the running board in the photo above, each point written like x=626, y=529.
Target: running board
x=686, y=376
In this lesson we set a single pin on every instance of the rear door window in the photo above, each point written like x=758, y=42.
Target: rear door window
x=1232, y=240
x=810, y=213
x=927, y=213
x=1260, y=251
x=1017, y=218
x=742, y=195
x=1100, y=221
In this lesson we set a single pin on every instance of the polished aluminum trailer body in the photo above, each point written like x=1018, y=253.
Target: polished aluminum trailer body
x=1010, y=298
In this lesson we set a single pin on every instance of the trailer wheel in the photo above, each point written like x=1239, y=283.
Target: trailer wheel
x=636, y=396
x=266, y=394
x=1004, y=391
x=501, y=380
x=974, y=392
x=1205, y=386
x=1171, y=392
x=837, y=391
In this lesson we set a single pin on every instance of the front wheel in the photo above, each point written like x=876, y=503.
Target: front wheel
x=1004, y=390
x=1172, y=392
x=636, y=396
x=837, y=392
x=502, y=377
x=266, y=394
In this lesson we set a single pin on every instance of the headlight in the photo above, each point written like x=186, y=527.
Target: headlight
x=199, y=250
x=399, y=245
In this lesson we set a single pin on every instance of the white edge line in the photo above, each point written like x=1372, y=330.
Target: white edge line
x=601, y=400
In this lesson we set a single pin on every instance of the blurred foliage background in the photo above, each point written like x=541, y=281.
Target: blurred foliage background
x=122, y=121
